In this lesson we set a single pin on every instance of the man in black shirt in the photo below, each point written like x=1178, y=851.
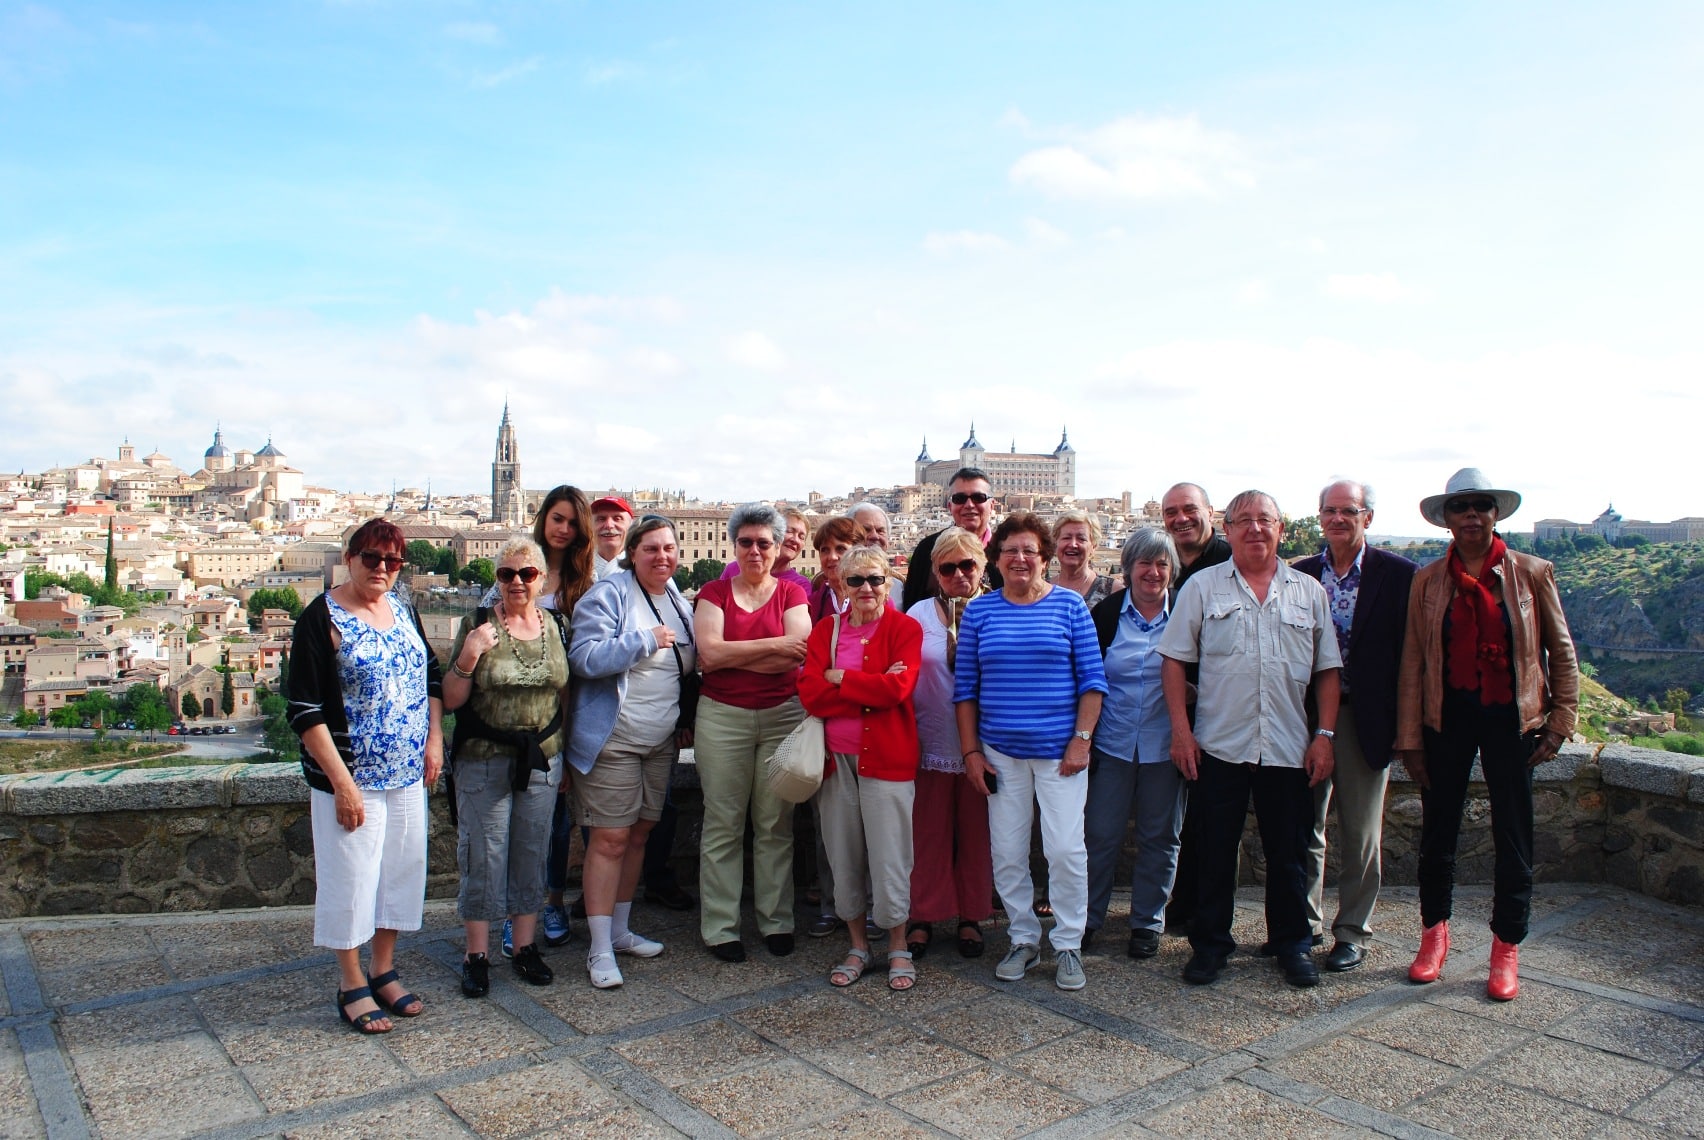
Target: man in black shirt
x=971, y=501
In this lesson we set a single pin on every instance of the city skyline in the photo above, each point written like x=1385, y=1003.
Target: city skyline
x=759, y=251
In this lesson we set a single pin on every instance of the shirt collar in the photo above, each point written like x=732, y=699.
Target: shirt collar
x=1129, y=607
x=1360, y=555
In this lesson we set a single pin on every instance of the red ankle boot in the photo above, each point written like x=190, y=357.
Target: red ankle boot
x=1505, y=980
x=1434, y=946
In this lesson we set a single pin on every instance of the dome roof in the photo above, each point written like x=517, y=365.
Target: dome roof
x=972, y=441
x=269, y=451
x=218, y=450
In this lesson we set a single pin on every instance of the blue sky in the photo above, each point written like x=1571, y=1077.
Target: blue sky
x=761, y=249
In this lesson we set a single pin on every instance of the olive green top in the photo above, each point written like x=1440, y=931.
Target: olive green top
x=517, y=685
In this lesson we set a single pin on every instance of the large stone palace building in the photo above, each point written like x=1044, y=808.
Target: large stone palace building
x=1011, y=472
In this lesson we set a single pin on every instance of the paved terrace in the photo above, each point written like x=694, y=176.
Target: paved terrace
x=222, y=1025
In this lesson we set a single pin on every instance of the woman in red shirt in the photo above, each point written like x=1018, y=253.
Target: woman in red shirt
x=860, y=670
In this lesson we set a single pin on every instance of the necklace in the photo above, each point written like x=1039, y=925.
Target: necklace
x=535, y=671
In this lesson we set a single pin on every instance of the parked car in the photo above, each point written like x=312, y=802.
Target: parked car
x=228, y=729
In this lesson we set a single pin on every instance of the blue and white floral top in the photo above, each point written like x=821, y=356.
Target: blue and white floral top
x=382, y=673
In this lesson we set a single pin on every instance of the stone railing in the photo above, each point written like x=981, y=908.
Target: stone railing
x=237, y=836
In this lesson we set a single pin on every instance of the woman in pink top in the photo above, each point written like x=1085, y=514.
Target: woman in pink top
x=751, y=632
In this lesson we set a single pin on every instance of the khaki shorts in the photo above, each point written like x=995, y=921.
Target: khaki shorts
x=626, y=784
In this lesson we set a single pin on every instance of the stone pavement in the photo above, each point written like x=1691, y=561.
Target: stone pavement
x=222, y=1025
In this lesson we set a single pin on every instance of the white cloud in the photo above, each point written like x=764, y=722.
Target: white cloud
x=1379, y=288
x=754, y=350
x=941, y=243
x=612, y=71
x=1044, y=235
x=1138, y=158
x=474, y=33
x=508, y=74
x=1112, y=234
x=1253, y=292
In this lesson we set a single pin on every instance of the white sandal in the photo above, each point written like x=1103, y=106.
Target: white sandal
x=848, y=971
x=605, y=974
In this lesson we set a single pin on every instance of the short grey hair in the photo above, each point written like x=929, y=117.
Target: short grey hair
x=1366, y=490
x=521, y=544
x=860, y=557
x=756, y=514
x=853, y=512
x=1247, y=498
x=1150, y=544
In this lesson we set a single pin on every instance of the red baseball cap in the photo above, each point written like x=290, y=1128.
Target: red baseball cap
x=610, y=502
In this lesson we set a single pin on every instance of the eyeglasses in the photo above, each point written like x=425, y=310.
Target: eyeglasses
x=960, y=498
x=948, y=569
x=754, y=543
x=874, y=581
x=1261, y=522
x=527, y=574
x=372, y=560
x=1342, y=512
x=1020, y=552
x=1484, y=505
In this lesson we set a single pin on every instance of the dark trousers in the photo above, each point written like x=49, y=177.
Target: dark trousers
x=1186, y=884
x=1493, y=733
x=1283, y=807
x=659, y=847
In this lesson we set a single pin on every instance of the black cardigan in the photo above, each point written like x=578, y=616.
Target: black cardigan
x=316, y=695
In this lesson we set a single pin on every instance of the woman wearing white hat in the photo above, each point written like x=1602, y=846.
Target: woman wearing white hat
x=1488, y=670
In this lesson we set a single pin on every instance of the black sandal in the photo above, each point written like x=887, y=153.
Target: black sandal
x=970, y=947
x=918, y=948
x=405, y=1006
x=361, y=1021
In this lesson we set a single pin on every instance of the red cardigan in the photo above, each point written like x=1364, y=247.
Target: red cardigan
x=880, y=698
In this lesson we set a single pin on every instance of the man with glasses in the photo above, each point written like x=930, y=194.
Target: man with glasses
x=1261, y=632
x=1368, y=591
x=970, y=500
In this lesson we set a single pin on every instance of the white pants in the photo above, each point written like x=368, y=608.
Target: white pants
x=372, y=878
x=1024, y=786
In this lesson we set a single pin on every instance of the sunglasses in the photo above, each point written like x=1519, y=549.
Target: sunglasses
x=527, y=574
x=874, y=581
x=1484, y=505
x=372, y=560
x=754, y=543
x=960, y=498
x=948, y=569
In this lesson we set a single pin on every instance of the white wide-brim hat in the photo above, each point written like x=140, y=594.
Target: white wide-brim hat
x=1468, y=481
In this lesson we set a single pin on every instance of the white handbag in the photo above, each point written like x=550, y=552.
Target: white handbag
x=795, y=767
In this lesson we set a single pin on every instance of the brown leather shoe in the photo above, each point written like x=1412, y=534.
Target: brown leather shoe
x=1434, y=947
x=1505, y=980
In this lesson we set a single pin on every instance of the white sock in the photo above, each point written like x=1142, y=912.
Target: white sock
x=618, y=921
x=598, y=926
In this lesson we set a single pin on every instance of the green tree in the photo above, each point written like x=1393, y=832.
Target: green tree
x=227, y=695
x=447, y=564
x=111, y=562
x=26, y=718
x=146, y=707
x=421, y=555
x=1301, y=537
x=64, y=717
x=479, y=572
x=275, y=598
x=190, y=706
x=1674, y=701
x=194, y=635
x=96, y=708
x=276, y=735
x=35, y=581
x=683, y=578
x=706, y=570
x=1587, y=669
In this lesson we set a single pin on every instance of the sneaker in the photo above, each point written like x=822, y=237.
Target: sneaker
x=556, y=928
x=1017, y=960
x=603, y=971
x=637, y=945
x=1069, y=970
x=476, y=976
x=508, y=939
x=531, y=968
x=822, y=926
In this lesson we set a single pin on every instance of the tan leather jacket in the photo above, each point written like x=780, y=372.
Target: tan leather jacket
x=1547, y=677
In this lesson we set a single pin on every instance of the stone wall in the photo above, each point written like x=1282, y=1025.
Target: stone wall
x=217, y=837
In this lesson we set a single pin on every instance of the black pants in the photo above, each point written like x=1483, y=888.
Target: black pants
x=1494, y=734
x=1186, y=885
x=658, y=871
x=1283, y=807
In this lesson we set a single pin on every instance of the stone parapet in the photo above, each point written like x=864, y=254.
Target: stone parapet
x=197, y=838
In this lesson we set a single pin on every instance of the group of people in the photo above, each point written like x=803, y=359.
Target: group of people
x=1208, y=674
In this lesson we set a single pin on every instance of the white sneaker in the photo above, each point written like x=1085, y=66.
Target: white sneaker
x=605, y=974
x=1069, y=975
x=1017, y=960
x=637, y=945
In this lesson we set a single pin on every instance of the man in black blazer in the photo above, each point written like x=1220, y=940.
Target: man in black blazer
x=1368, y=590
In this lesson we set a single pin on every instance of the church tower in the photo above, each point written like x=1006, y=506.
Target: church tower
x=508, y=501
x=1066, y=456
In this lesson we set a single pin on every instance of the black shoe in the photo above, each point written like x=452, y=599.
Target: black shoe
x=1087, y=946
x=729, y=951
x=530, y=967
x=578, y=909
x=1144, y=943
x=669, y=895
x=779, y=945
x=476, y=976
x=1266, y=950
x=1299, y=970
x=1203, y=968
x=1344, y=956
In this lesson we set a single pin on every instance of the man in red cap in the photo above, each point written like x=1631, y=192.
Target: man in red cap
x=610, y=519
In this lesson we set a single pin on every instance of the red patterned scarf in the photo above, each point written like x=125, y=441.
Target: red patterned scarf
x=1479, y=641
